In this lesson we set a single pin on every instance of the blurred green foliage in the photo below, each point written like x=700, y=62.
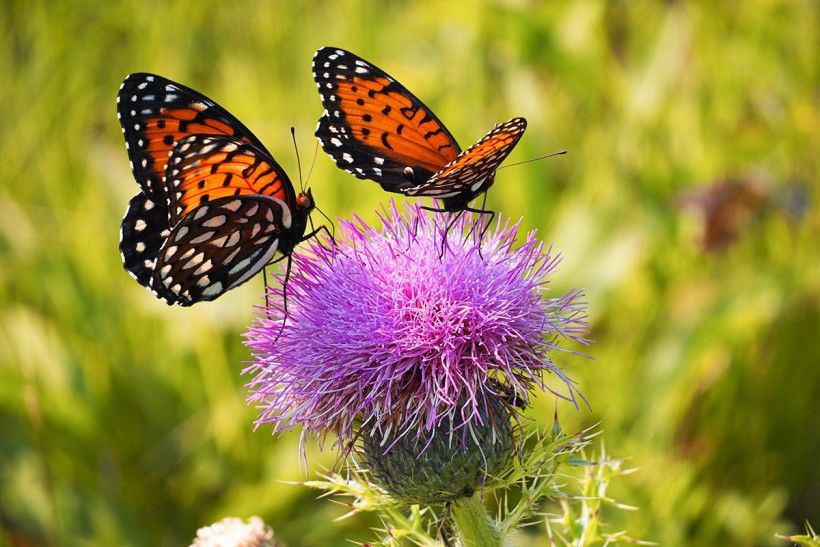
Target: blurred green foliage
x=124, y=422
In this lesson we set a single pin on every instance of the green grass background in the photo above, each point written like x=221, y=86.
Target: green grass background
x=123, y=421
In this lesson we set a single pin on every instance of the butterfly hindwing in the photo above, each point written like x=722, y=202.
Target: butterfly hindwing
x=474, y=169
x=219, y=246
x=203, y=168
x=373, y=127
x=142, y=233
x=156, y=113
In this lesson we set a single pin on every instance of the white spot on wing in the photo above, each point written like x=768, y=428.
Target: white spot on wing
x=233, y=239
x=207, y=265
x=195, y=261
x=181, y=233
x=232, y=206
x=201, y=212
x=202, y=238
x=213, y=290
x=215, y=222
x=239, y=266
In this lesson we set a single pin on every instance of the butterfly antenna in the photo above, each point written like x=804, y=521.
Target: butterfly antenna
x=562, y=152
x=315, y=151
x=298, y=161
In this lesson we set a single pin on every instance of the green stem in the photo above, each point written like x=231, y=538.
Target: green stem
x=474, y=525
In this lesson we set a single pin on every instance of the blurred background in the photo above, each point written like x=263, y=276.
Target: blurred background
x=687, y=207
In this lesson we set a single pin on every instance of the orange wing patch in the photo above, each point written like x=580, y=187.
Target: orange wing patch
x=391, y=123
x=475, y=168
x=497, y=142
x=204, y=168
x=174, y=125
x=155, y=114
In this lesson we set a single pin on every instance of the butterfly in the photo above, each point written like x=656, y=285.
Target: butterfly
x=213, y=208
x=374, y=128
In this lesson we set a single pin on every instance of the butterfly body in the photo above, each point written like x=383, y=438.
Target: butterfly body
x=214, y=207
x=376, y=129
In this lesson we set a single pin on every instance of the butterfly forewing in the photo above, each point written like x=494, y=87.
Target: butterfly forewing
x=473, y=170
x=156, y=113
x=204, y=168
x=373, y=127
x=219, y=246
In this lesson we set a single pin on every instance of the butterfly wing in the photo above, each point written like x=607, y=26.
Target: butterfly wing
x=473, y=170
x=373, y=127
x=219, y=246
x=230, y=205
x=203, y=168
x=143, y=231
x=156, y=113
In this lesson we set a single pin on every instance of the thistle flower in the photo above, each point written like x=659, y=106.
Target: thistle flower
x=385, y=335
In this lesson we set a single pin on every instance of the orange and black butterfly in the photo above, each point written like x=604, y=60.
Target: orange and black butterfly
x=374, y=128
x=213, y=207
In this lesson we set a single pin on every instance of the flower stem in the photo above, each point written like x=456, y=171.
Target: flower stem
x=473, y=523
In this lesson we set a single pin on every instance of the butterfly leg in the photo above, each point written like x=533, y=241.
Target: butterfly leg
x=315, y=231
x=450, y=224
x=289, y=258
x=434, y=209
x=284, y=297
x=265, y=288
x=331, y=232
x=414, y=236
x=481, y=213
x=265, y=281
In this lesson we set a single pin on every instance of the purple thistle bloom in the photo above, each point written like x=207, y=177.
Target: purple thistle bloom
x=384, y=333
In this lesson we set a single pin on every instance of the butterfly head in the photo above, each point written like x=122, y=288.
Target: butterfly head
x=304, y=202
x=304, y=206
